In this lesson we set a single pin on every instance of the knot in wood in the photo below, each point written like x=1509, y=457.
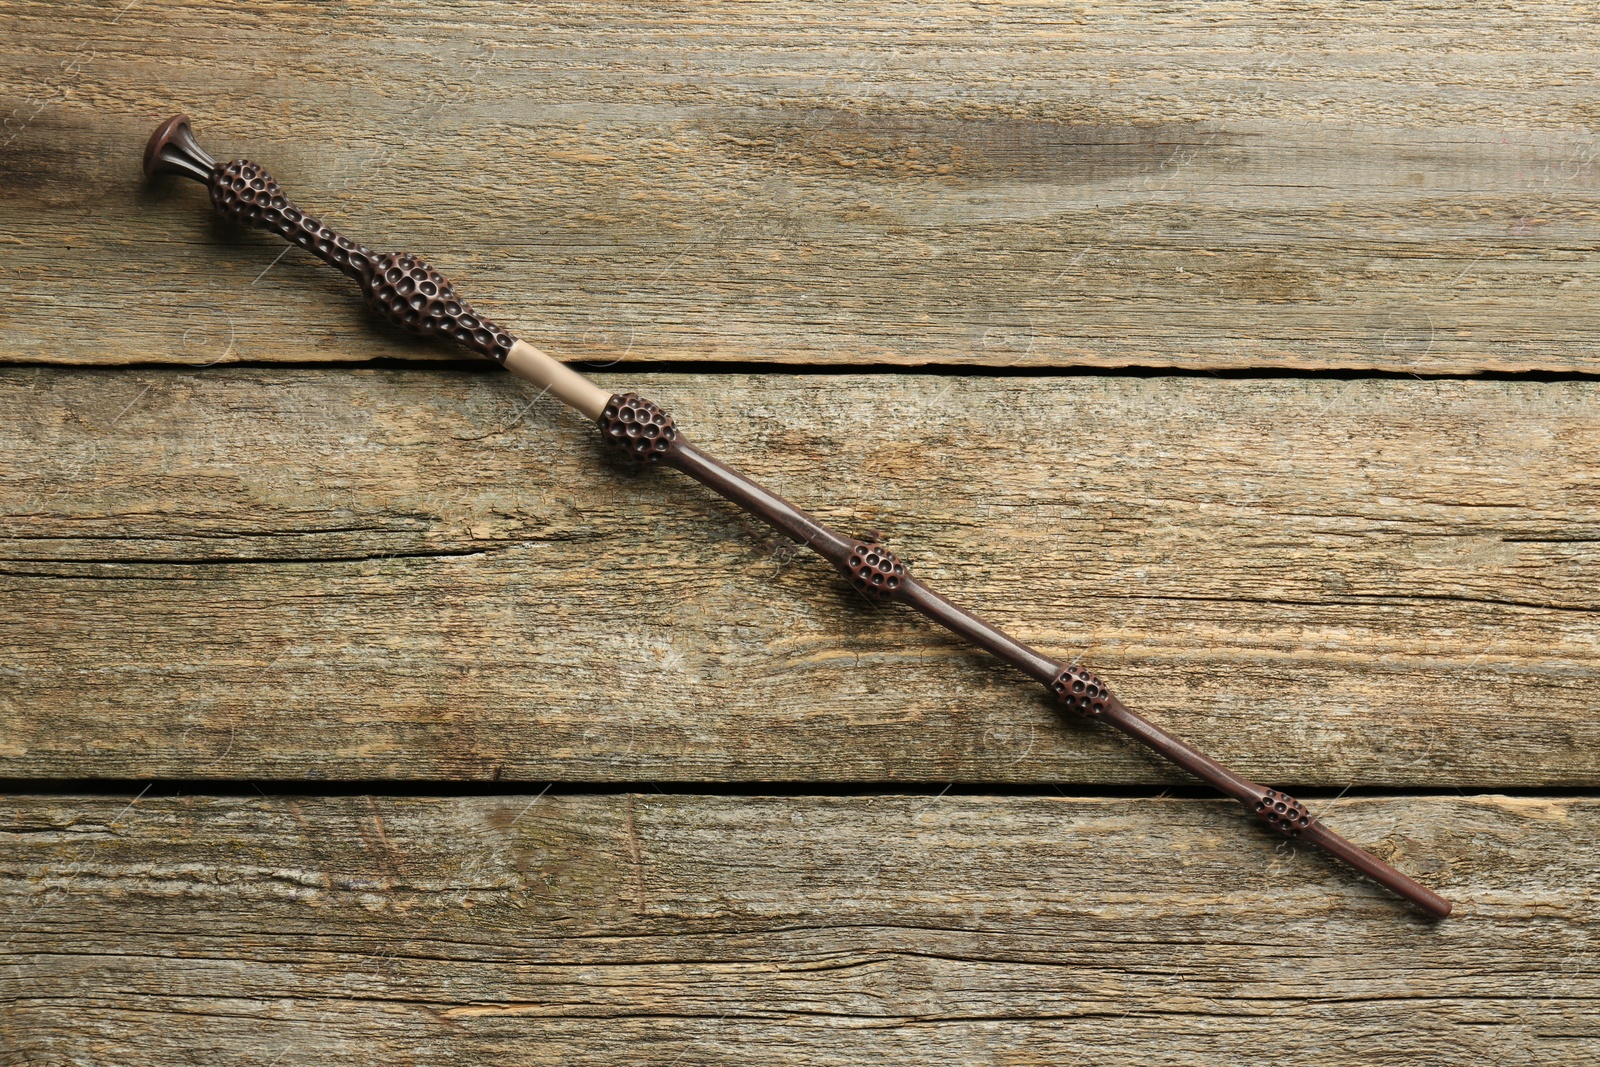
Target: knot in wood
x=1080, y=690
x=637, y=427
x=873, y=570
x=1282, y=812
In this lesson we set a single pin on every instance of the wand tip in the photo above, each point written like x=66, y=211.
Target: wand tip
x=172, y=149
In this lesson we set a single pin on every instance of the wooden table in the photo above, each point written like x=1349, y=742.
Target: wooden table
x=1245, y=350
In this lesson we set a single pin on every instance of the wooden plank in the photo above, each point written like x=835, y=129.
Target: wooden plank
x=808, y=930
x=406, y=573
x=1001, y=185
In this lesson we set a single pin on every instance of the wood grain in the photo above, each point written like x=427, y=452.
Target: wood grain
x=415, y=573
x=1022, y=184
x=809, y=930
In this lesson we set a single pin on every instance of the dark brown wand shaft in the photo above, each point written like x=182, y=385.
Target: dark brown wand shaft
x=412, y=295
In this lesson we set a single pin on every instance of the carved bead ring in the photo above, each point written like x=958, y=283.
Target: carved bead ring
x=1282, y=812
x=1081, y=690
x=637, y=426
x=874, y=570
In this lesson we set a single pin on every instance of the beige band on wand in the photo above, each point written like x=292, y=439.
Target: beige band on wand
x=560, y=380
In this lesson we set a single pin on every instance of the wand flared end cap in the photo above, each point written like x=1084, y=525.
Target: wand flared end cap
x=172, y=149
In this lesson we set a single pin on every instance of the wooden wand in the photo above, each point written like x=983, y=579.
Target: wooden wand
x=411, y=294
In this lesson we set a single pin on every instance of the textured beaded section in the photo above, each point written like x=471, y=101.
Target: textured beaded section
x=637, y=426
x=874, y=570
x=1081, y=691
x=1282, y=812
x=406, y=291
x=400, y=287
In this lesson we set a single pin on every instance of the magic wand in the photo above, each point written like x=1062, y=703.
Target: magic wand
x=411, y=294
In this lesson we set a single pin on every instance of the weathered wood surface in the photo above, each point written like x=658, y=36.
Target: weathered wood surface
x=649, y=929
x=409, y=574
x=415, y=573
x=1298, y=185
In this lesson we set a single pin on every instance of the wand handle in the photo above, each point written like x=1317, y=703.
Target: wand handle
x=397, y=285
x=412, y=295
